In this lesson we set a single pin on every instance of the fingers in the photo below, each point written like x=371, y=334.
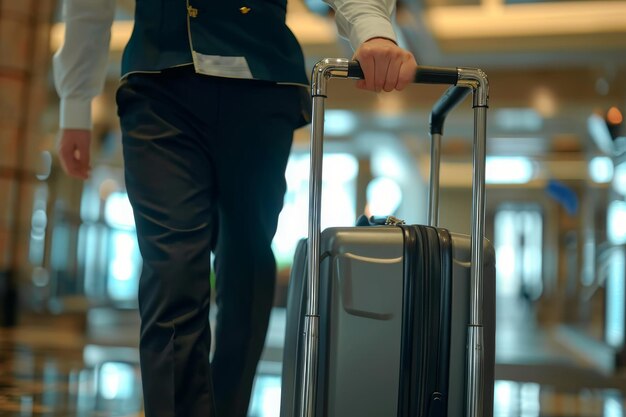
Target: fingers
x=74, y=153
x=73, y=162
x=385, y=65
x=406, y=74
x=393, y=72
x=368, y=66
x=380, y=73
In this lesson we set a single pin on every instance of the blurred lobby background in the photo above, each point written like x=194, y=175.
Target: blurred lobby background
x=556, y=202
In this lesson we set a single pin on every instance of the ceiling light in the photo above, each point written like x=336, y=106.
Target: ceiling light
x=339, y=122
x=601, y=169
x=508, y=170
x=383, y=196
x=614, y=116
x=518, y=119
x=600, y=134
x=619, y=179
x=615, y=224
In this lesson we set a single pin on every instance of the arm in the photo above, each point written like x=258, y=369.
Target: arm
x=79, y=71
x=362, y=20
x=367, y=24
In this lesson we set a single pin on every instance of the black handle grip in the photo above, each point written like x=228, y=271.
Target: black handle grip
x=448, y=101
x=423, y=75
x=355, y=71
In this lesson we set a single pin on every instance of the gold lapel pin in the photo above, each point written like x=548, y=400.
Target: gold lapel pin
x=244, y=10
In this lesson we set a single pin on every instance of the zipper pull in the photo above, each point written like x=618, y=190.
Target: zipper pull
x=394, y=221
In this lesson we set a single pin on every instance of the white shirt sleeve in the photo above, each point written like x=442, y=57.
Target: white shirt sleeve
x=361, y=20
x=80, y=65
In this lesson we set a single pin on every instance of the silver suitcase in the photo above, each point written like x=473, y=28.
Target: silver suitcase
x=399, y=321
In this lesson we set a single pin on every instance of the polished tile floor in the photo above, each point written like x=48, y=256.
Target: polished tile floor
x=54, y=371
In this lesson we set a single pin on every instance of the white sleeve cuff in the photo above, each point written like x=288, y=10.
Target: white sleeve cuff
x=75, y=113
x=370, y=27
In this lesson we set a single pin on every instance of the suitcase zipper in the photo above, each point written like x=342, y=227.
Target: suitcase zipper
x=394, y=221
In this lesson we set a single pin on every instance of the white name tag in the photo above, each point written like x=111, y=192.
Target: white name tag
x=221, y=66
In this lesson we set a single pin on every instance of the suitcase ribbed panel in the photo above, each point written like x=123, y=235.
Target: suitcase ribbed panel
x=445, y=306
x=424, y=357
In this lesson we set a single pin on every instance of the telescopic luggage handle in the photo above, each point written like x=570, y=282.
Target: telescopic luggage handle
x=423, y=75
x=463, y=81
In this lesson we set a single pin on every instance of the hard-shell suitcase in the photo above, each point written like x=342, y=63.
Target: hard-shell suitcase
x=388, y=320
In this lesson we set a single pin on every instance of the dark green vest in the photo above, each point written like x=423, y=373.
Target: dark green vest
x=166, y=31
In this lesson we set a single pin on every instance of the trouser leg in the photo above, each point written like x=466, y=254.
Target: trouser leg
x=170, y=183
x=258, y=125
x=195, y=147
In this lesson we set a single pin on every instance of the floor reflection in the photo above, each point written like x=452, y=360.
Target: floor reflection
x=47, y=381
x=55, y=372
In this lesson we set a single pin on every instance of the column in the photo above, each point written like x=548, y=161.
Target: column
x=24, y=68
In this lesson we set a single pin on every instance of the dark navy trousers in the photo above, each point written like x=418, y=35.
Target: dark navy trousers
x=204, y=165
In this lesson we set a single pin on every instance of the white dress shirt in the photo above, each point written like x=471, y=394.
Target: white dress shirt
x=80, y=64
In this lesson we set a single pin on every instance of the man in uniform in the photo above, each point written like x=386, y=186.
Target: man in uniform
x=211, y=93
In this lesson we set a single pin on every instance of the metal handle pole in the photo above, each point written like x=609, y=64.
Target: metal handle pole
x=446, y=103
x=321, y=73
x=433, y=192
x=475, y=351
x=311, y=320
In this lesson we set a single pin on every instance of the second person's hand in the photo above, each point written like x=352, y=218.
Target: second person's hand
x=74, y=152
x=385, y=65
